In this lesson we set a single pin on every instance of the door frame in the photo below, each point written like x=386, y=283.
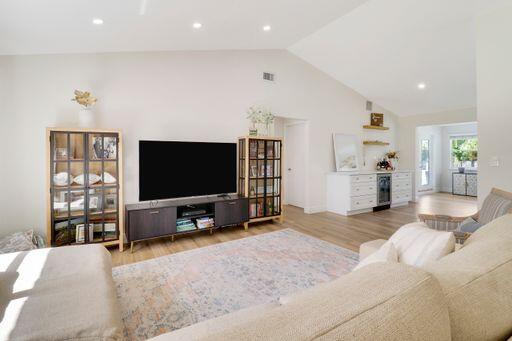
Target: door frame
x=305, y=202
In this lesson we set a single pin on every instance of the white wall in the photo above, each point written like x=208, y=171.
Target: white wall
x=494, y=89
x=447, y=132
x=167, y=95
x=407, y=125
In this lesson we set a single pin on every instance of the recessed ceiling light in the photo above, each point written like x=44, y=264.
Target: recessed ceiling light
x=267, y=28
x=422, y=86
x=197, y=25
x=97, y=21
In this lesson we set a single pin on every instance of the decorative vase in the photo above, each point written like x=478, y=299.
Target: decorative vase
x=462, y=170
x=86, y=118
x=252, y=130
x=262, y=129
x=270, y=129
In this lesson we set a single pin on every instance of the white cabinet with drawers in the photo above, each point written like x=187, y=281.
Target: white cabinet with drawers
x=401, y=188
x=352, y=193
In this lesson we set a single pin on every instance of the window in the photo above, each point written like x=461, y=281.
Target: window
x=464, y=152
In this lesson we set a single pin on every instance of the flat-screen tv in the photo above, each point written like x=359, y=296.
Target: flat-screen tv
x=172, y=169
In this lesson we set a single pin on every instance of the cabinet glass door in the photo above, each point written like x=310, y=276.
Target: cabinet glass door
x=67, y=192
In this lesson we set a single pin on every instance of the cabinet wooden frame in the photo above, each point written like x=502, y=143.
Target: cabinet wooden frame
x=245, y=176
x=119, y=185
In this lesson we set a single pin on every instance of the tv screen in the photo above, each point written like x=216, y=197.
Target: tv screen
x=169, y=169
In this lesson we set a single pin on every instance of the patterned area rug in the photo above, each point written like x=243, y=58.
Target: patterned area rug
x=171, y=292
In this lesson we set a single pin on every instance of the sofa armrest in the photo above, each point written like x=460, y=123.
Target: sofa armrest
x=370, y=247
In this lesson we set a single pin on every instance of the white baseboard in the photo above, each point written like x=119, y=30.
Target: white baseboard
x=314, y=209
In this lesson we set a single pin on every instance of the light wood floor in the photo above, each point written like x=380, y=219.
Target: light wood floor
x=348, y=232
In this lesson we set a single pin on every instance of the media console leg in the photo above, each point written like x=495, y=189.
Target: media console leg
x=281, y=219
x=246, y=226
x=211, y=231
x=172, y=238
x=131, y=247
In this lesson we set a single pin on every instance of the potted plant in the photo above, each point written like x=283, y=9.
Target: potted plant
x=85, y=116
x=460, y=156
x=262, y=121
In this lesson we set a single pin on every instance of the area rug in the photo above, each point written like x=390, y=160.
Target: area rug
x=171, y=292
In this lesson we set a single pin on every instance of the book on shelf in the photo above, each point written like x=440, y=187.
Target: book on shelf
x=204, y=223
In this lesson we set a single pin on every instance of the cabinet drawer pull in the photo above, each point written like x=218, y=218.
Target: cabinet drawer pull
x=232, y=203
x=154, y=212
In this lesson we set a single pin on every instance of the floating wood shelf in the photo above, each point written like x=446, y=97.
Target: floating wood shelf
x=375, y=143
x=367, y=126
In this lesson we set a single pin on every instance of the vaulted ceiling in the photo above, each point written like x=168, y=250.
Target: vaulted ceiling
x=385, y=49
x=381, y=48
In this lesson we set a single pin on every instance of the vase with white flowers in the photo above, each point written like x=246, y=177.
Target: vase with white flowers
x=262, y=121
x=85, y=115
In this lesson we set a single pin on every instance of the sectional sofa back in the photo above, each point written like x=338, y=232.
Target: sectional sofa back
x=477, y=282
x=378, y=302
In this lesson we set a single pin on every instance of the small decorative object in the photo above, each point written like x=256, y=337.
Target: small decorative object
x=108, y=178
x=384, y=165
x=345, y=152
x=93, y=178
x=61, y=153
x=392, y=156
x=377, y=119
x=62, y=179
x=262, y=121
x=254, y=171
x=110, y=201
x=85, y=116
x=109, y=147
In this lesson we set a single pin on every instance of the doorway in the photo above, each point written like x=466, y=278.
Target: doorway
x=295, y=153
x=425, y=165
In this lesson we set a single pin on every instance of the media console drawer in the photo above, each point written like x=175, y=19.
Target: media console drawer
x=231, y=212
x=151, y=223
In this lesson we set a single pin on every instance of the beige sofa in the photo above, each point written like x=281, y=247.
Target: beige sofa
x=64, y=293
x=466, y=295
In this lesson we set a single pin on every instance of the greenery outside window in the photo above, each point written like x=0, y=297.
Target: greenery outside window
x=464, y=152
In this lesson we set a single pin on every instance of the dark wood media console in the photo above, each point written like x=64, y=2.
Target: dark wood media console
x=160, y=219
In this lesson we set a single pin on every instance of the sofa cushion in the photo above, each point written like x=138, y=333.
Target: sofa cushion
x=495, y=205
x=387, y=301
x=477, y=281
x=386, y=253
x=469, y=225
x=57, y=294
x=417, y=244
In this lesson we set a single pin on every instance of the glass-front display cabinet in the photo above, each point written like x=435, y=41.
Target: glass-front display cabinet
x=260, y=176
x=85, y=187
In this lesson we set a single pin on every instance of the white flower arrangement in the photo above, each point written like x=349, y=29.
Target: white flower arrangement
x=260, y=115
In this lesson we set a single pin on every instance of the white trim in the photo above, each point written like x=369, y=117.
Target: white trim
x=314, y=209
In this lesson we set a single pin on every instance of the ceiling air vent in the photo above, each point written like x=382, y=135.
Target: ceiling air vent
x=369, y=106
x=268, y=76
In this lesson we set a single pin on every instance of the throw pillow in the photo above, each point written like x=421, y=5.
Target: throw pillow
x=417, y=244
x=19, y=241
x=469, y=225
x=386, y=253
